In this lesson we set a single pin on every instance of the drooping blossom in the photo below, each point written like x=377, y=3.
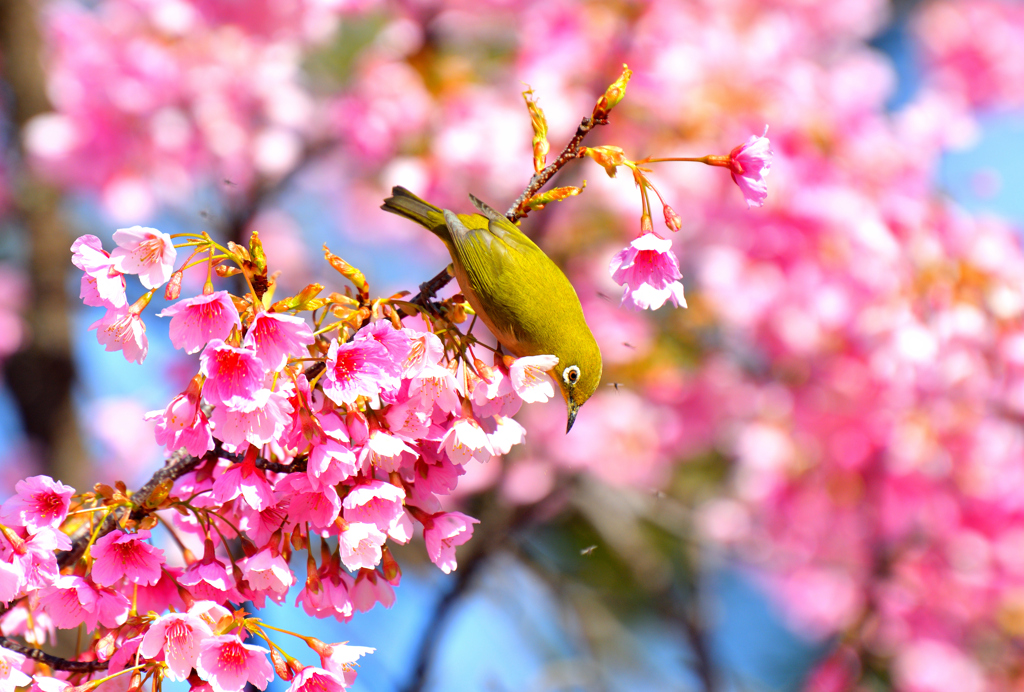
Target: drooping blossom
x=466, y=440
x=228, y=663
x=312, y=679
x=376, y=502
x=119, y=554
x=199, y=320
x=360, y=546
x=750, y=162
x=102, y=284
x=146, y=252
x=530, y=378
x=183, y=423
x=39, y=501
x=266, y=573
x=275, y=337
x=122, y=329
x=340, y=658
x=442, y=533
x=180, y=636
x=649, y=273
x=11, y=675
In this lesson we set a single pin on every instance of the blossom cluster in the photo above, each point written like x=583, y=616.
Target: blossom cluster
x=284, y=436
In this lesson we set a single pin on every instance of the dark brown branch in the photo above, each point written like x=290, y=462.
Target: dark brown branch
x=177, y=466
x=519, y=210
x=55, y=662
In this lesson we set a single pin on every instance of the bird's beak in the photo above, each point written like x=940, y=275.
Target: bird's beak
x=574, y=408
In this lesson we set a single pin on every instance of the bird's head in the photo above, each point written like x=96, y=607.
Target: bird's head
x=578, y=373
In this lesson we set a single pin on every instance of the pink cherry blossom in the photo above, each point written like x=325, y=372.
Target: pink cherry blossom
x=266, y=572
x=442, y=533
x=750, y=163
x=128, y=555
x=530, y=378
x=196, y=321
x=180, y=637
x=228, y=663
x=369, y=590
x=121, y=329
x=40, y=501
x=340, y=659
x=247, y=480
x=649, y=273
x=233, y=374
x=210, y=579
x=312, y=679
x=11, y=675
x=146, y=252
x=258, y=421
x=319, y=506
x=183, y=423
x=375, y=502
x=466, y=440
x=355, y=369
x=360, y=545
x=275, y=337
x=102, y=284
x=72, y=601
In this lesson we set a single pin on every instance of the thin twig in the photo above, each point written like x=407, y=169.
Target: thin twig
x=518, y=210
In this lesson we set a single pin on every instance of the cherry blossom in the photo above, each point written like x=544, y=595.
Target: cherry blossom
x=40, y=501
x=228, y=663
x=120, y=555
x=196, y=321
x=649, y=273
x=144, y=251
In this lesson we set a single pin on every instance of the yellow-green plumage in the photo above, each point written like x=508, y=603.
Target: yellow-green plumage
x=520, y=294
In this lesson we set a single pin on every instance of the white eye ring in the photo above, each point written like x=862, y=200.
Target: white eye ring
x=571, y=375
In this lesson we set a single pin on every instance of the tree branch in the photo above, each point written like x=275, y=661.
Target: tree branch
x=518, y=210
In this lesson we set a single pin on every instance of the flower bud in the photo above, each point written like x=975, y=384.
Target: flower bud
x=607, y=156
x=612, y=96
x=173, y=289
x=672, y=219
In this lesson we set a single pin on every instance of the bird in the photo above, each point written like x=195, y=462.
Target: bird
x=518, y=291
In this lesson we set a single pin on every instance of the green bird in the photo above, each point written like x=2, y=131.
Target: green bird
x=519, y=293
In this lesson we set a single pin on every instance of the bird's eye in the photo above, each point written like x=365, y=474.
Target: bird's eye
x=571, y=374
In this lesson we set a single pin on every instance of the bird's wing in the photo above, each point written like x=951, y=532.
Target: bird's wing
x=512, y=279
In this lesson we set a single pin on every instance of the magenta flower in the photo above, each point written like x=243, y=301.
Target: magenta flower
x=313, y=679
x=442, y=532
x=246, y=480
x=72, y=601
x=123, y=330
x=180, y=636
x=355, y=369
x=40, y=501
x=397, y=342
x=196, y=321
x=276, y=337
x=183, y=423
x=263, y=419
x=102, y=285
x=376, y=503
x=750, y=163
x=233, y=374
x=320, y=506
x=146, y=252
x=649, y=272
x=128, y=555
x=210, y=579
x=228, y=663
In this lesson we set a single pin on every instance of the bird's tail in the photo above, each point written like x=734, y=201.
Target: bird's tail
x=405, y=203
